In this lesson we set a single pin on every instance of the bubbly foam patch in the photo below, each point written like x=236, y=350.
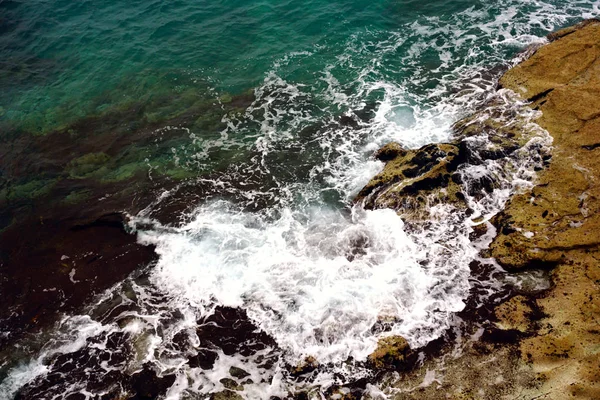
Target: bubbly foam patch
x=316, y=281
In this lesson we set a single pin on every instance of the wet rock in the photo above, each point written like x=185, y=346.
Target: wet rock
x=148, y=385
x=478, y=231
x=226, y=395
x=231, y=384
x=308, y=365
x=344, y=393
x=392, y=352
x=515, y=314
x=412, y=179
x=389, y=152
x=238, y=373
x=346, y=120
x=230, y=330
x=84, y=371
x=204, y=359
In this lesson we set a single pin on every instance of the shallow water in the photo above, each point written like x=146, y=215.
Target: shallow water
x=273, y=244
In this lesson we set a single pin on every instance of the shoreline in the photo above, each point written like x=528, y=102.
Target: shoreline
x=521, y=331
x=538, y=344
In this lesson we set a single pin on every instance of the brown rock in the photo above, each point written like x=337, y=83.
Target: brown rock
x=515, y=314
x=389, y=152
x=392, y=352
x=308, y=365
x=413, y=179
x=562, y=213
x=554, y=226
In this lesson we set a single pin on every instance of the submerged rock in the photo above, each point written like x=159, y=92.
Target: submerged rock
x=85, y=165
x=52, y=264
x=64, y=197
x=226, y=395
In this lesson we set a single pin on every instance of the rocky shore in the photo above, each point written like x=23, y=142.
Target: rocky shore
x=527, y=342
x=65, y=196
x=521, y=177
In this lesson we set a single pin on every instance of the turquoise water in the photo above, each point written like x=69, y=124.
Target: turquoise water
x=272, y=111
x=64, y=60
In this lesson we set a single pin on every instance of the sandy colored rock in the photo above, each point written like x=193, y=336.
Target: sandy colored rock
x=562, y=213
x=547, y=345
x=480, y=371
x=563, y=61
x=515, y=314
x=308, y=365
x=392, y=351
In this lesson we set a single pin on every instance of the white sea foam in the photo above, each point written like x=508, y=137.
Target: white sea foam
x=293, y=276
x=72, y=335
x=318, y=280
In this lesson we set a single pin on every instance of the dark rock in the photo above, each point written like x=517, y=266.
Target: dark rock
x=238, y=373
x=478, y=231
x=204, y=359
x=226, y=395
x=148, y=385
x=231, y=384
x=389, y=152
x=346, y=120
x=230, y=329
x=52, y=265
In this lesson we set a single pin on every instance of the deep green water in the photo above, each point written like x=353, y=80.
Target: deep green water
x=63, y=60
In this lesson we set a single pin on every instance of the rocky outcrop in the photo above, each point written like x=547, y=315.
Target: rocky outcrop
x=392, y=352
x=543, y=345
x=412, y=177
x=491, y=148
x=562, y=80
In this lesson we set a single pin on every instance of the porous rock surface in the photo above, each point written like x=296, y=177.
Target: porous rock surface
x=538, y=346
x=562, y=80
